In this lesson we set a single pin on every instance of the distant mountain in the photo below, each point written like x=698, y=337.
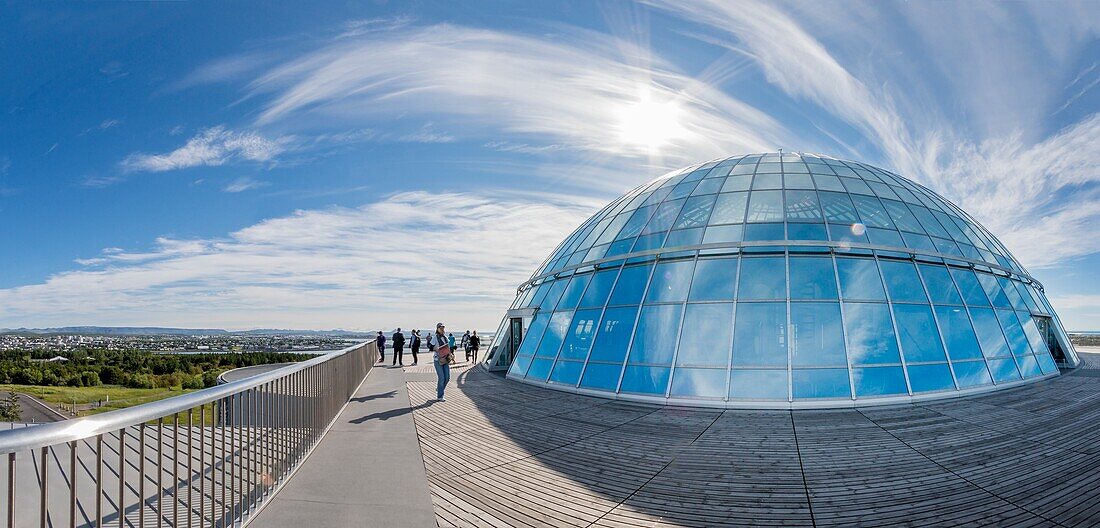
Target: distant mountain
x=156, y=330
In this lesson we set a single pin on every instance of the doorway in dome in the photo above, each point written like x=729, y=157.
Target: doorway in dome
x=505, y=343
x=1050, y=335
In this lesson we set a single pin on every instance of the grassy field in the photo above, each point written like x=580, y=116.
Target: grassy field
x=118, y=397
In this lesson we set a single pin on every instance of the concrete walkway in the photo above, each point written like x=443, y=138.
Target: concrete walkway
x=366, y=472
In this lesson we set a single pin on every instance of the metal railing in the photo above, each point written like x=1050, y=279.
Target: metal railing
x=210, y=458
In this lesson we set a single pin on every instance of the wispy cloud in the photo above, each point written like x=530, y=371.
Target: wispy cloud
x=427, y=134
x=571, y=91
x=244, y=183
x=211, y=146
x=409, y=259
x=1037, y=193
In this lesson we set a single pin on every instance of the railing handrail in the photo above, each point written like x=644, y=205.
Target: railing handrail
x=49, y=434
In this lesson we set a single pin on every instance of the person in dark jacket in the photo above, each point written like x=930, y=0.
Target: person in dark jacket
x=415, y=344
x=381, y=341
x=475, y=342
x=398, y=347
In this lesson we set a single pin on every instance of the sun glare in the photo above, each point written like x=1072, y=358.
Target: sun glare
x=649, y=124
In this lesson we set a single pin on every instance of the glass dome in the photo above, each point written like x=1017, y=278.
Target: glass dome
x=780, y=280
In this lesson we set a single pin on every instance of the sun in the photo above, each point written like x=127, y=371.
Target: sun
x=648, y=123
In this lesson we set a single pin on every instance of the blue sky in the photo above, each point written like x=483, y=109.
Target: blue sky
x=358, y=165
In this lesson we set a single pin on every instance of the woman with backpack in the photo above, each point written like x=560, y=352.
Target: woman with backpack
x=442, y=356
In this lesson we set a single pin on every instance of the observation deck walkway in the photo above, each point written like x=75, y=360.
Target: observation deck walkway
x=500, y=453
x=366, y=471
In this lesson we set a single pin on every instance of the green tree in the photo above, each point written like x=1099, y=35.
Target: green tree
x=10, y=411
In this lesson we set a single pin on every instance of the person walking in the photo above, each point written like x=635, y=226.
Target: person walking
x=415, y=344
x=475, y=342
x=398, y=347
x=442, y=356
x=381, y=341
x=451, y=342
x=466, y=344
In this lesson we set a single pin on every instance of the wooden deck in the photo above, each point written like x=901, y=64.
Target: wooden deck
x=500, y=453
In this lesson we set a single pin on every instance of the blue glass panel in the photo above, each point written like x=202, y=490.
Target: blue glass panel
x=554, y=335
x=664, y=217
x=534, y=334
x=725, y=233
x=648, y=242
x=1017, y=341
x=544, y=289
x=758, y=384
x=993, y=290
x=737, y=183
x=989, y=333
x=714, y=280
x=855, y=186
x=838, y=207
x=802, y=205
x=767, y=181
x=696, y=212
x=902, y=217
x=812, y=278
x=969, y=287
x=631, y=285
x=520, y=365
x=903, y=282
x=768, y=167
x=614, y=334
x=540, y=369
x=820, y=383
x=859, y=279
x=707, y=336
x=765, y=206
x=847, y=233
x=620, y=247
x=1004, y=370
x=729, y=209
x=920, y=341
x=946, y=246
x=709, y=186
x=573, y=292
x=645, y=380
x=763, y=278
x=971, y=373
x=818, y=339
x=760, y=335
x=655, y=336
x=757, y=232
x=1014, y=298
x=670, y=281
x=1047, y=363
x=567, y=372
x=884, y=237
x=601, y=376
x=637, y=221
x=600, y=288
x=940, y=286
x=1038, y=344
x=1029, y=367
x=879, y=381
x=552, y=297
x=827, y=182
x=697, y=382
x=798, y=181
x=870, y=334
x=579, y=340
x=685, y=188
x=958, y=335
x=684, y=237
x=871, y=212
x=928, y=378
x=806, y=232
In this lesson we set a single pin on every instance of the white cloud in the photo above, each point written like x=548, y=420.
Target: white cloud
x=211, y=146
x=988, y=154
x=428, y=134
x=410, y=259
x=567, y=90
x=244, y=183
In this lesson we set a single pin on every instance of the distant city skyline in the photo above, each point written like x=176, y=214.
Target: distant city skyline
x=334, y=165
